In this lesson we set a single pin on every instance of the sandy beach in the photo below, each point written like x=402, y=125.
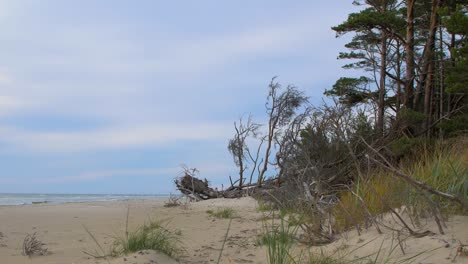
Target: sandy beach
x=62, y=228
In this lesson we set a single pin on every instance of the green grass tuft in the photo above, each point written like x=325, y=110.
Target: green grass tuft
x=152, y=235
x=265, y=207
x=279, y=239
x=223, y=213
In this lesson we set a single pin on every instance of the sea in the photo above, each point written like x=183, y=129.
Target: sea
x=38, y=198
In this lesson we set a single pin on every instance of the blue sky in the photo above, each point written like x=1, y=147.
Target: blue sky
x=112, y=96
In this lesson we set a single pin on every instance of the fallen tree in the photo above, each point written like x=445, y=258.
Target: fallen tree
x=197, y=189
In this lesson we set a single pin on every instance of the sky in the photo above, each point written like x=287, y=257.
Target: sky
x=113, y=96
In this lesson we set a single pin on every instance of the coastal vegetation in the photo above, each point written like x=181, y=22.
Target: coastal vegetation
x=222, y=213
x=391, y=141
x=152, y=235
x=33, y=246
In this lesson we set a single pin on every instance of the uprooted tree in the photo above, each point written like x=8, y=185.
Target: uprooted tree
x=281, y=107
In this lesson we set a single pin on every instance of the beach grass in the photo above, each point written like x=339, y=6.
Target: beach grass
x=152, y=235
x=444, y=168
x=222, y=213
x=279, y=237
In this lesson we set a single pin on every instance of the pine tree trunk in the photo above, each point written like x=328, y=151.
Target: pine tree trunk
x=428, y=65
x=408, y=100
x=441, y=77
x=398, y=75
x=382, y=89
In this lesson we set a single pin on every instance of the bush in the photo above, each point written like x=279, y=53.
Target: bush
x=407, y=147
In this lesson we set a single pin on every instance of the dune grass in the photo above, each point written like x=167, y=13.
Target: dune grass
x=222, y=213
x=152, y=235
x=265, y=206
x=278, y=237
x=443, y=167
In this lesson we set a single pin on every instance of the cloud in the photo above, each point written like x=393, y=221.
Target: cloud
x=93, y=176
x=212, y=52
x=112, y=72
x=206, y=169
x=5, y=79
x=5, y=9
x=9, y=104
x=148, y=135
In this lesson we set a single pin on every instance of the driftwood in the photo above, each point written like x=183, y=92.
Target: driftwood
x=197, y=189
x=200, y=190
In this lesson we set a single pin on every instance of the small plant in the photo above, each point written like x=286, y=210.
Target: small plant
x=172, y=201
x=322, y=259
x=152, y=235
x=224, y=213
x=279, y=239
x=33, y=247
x=265, y=207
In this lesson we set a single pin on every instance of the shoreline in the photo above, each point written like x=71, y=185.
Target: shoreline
x=39, y=203
x=37, y=199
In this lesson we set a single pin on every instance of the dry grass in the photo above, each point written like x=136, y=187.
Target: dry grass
x=444, y=167
x=33, y=247
x=172, y=201
x=378, y=193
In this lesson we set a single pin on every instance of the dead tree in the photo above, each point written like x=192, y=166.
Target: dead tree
x=239, y=149
x=281, y=107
